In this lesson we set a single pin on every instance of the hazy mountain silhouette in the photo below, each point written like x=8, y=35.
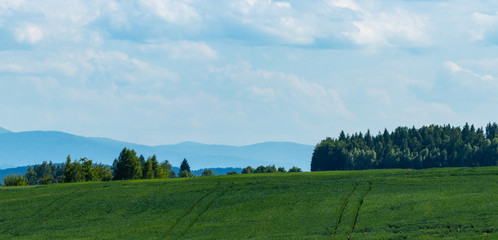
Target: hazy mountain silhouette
x=3, y=130
x=28, y=148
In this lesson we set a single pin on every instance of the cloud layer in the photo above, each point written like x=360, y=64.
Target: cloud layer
x=244, y=71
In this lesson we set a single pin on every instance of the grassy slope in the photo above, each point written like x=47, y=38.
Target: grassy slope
x=456, y=203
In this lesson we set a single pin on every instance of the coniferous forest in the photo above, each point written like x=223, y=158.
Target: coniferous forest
x=425, y=147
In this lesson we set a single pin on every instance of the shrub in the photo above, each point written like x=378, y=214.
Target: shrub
x=247, y=170
x=185, y=174
x=231, y=173
x=207, y=172
x=14, y=180
x=295, y=169
x=260, y=169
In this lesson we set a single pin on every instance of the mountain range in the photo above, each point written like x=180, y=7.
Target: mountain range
x=34, y=147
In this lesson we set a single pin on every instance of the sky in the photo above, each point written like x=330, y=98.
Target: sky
x=240, y=72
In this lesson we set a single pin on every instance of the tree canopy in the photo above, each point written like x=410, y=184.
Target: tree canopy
x=426, y=147
x=127, y=165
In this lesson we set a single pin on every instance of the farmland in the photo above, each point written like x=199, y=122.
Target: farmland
x=442, y=203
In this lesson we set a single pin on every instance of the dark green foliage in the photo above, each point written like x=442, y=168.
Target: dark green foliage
x=147, y=171
x=295, y=169
x=267, y=169
x=207, y=172
x=44, y=173
x=151, y=169
x=260, y=169
x=166, y=166
x=68, y=171
x=127, y=166
x=102, y=172
x=142, y=159
x=232, y=173
x=30, y=176
x=247, y=170
x=84, y=170
x=87, y=168
x=185, y=174
x=427, y=147
x=14, y=180
x=281, y=170
x=184, y=166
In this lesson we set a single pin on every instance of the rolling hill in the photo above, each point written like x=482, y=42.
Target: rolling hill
x=440, y=203
x=27, y=148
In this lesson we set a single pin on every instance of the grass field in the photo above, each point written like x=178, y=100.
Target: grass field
x=452, y=203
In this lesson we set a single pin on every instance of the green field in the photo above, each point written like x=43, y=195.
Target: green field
x=450, y=203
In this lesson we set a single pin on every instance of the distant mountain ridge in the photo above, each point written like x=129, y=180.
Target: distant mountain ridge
x=3, y=130
x=28, y=148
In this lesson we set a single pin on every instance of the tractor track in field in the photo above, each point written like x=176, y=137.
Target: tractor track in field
x=358, y=209
x=346, y=201
x=63, y=200
x=187, y=213
x=194, y=207
x=205, y=210
x=70, y=197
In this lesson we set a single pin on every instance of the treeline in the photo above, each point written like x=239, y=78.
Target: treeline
x=426, y=147
x=268, y=169
x=259, y=169
x=127, y=166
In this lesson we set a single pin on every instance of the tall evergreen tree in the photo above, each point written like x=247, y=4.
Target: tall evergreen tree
x=184, y=166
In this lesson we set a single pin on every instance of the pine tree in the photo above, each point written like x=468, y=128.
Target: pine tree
x=184, y=166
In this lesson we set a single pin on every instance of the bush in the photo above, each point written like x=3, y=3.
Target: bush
x=247, y=170
x=185, y=174
x=231, y=173
x=47, y=180
x=260, y=169
x=295, y=169
x=281, y=170
x=271, y=169
x=14, y=180
x=207, y=172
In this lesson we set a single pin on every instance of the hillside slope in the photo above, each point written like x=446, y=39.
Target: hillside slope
x=27, y=148
x=450, y=203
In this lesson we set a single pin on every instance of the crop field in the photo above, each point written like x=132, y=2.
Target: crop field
x=446, y=203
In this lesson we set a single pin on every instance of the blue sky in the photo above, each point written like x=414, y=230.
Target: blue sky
x=245, y=71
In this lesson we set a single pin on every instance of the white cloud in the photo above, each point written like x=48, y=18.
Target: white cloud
x=172, y=11
x=455, y=68
x=261, y=94
x=11, y=4
x=397, y=27
x=349, y=4
x=29, y=33
x=276, y=19
x=483, y=24
x=192, y=50
x=283, y=4
x=291, y=29
x=285, y=89
x=184, y=50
